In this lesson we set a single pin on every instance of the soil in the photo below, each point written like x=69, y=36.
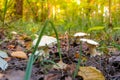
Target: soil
x=108, y=64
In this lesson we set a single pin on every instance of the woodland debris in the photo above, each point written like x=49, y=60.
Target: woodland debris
x=90, y=73
x=19, y=54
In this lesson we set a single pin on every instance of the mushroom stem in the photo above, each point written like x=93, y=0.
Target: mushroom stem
x=93, y=51
x=46, y=50
x=77, y=41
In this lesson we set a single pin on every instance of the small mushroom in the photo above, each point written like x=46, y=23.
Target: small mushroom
x=46, y=41
x=92, y=46
x=14, y=33
x=80, y=35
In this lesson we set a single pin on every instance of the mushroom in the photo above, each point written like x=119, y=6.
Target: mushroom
x=92, y=46
x=46, y=41
x=14, y=33
x=80, y=35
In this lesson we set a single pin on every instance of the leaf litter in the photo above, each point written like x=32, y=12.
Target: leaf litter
x=109, y=65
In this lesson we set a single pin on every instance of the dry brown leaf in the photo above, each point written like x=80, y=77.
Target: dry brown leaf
x=60, y=65
x=90, y=73
x=11, y=47
x=19, y=54
x=19, y=48
x=28, y=45
x=7, y=59
x=51, y=76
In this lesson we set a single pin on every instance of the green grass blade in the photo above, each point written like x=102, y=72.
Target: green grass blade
x=29, y=67
x=78, y=65
x=58, y=43
x=50, y=61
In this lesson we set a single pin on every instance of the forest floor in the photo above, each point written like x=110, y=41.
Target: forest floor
x=108, y=64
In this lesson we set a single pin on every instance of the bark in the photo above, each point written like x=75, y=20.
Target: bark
x=49, y=10
x=18, y=8
x=110, y=16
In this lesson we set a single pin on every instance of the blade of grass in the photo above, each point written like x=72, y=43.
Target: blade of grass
x=31, y=7
x=78, y=65
x=49, y=61
x=58, y=43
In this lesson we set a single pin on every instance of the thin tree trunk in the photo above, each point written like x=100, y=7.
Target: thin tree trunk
x=43, y=12
x=18, y=8
x=110, y=16
x=88, y=14
x=49, y=10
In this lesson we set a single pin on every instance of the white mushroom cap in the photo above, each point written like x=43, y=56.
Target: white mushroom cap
x=81, y=34
x=92, y=46
x=45, y=40
x=14, y=33
x=92, y=42
x=84, y=40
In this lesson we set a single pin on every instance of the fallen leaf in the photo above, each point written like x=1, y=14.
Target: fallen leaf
x=90, y=73
x=3, y=64
x=3, y=54
x=28, y=45
x=7, y=59
x=52, y=76
x=19, y=54
x=19, y=48
x=60, y=65
x=11, y=47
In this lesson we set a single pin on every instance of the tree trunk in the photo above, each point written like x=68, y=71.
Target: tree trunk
x=49, y=10
x=110, y=16
x=18, y=9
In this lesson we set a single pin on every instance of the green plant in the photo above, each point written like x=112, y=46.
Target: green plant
x=78, y=64
x=32, y=57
